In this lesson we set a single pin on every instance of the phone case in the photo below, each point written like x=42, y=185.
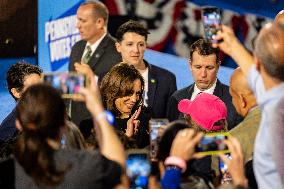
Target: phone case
x=66, y=82
x=215, y=152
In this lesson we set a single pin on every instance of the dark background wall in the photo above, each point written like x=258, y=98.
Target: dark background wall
x=18, y=25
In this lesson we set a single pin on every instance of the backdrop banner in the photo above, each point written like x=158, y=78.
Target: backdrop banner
x=57, y=33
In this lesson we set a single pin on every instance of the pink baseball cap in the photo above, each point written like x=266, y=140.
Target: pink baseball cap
x=206, y=109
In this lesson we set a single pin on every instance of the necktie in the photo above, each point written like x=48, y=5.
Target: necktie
x=88, y=55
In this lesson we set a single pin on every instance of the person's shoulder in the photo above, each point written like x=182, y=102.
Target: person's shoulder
x=223, y=89
x=223, y=85
x=108, y=41
x=9, y=121
x=183, y=90
x=110, y=38
x=238, y=129
x=161, y=71
x=182, y=93
x=85, y=157
x=78, y=44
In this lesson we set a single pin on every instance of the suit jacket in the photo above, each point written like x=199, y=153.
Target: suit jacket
x=161, y=85
x=8, y=127
x=221, y=91
x=101, y=61
x=246, y=131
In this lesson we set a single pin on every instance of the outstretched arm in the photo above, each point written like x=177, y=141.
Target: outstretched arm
x=232, y=46
x=110, y=145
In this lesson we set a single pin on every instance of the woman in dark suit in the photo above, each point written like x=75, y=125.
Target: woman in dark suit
x=122, y=90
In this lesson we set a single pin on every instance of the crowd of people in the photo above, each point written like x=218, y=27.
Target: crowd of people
x=51, y=142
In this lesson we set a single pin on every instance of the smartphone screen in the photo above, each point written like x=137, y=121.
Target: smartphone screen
x=138, y=169
x=68, y=84
x=211, y=22
x=223, y=168
x=156, y=129
x=213, y=143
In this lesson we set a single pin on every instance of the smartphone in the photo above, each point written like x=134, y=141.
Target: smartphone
x=67, y=83
x=213, y=143
x=138, y=168
x=211, y=22
x=156, y=128
x=223, y=168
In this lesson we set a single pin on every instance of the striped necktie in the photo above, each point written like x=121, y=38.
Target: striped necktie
x=88, y=55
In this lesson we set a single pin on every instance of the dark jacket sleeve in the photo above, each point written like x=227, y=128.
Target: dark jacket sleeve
x=172, y=111
x=76, y=54
x=142, y=137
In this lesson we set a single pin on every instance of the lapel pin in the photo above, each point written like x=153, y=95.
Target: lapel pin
x=153, y=81
x=97, y=55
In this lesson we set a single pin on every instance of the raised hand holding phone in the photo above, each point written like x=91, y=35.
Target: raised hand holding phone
x=213, y=143
x=92, y=97
x=211, y=22
x=67, y=83
x=236, y=162
x=184, y=144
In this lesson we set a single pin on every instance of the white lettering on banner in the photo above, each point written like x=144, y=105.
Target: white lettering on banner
x=60, y=49
x=60, y=28
x=61, y=34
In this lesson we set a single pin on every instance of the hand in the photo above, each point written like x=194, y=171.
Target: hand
x=184, y=144
x=133, y=124
x=236, y=163
x=228, y=40
x=92, y=97
x=84, y=69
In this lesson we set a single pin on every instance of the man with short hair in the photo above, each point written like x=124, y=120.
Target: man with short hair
x=159, y=83
x=265, y=75
x=245, y=104
x=19, y=77
x=204, y=65
x=97, y=48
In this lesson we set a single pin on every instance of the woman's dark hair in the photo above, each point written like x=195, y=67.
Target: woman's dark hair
x=167, y=138
x=118, y=83
x=41, y=114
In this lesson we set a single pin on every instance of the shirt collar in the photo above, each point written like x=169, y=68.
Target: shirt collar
x=196, y=91
x=96, y=44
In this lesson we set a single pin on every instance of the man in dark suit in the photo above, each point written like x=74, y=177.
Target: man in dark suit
x=19, y=77
x=204, y=64
x=159, y=83
x=97, y=48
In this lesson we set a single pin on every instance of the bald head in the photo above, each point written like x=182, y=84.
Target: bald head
x=279, y=17
x=242, y=96
x=99, y=10
x=239, y=82
x=269, y=48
